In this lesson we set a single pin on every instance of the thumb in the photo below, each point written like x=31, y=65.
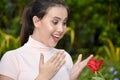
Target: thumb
x=79, y=59
x=41, y=59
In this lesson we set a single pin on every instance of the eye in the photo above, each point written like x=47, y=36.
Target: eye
x=55, y=22
x=64, y=23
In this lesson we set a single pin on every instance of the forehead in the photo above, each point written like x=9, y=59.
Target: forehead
x=57, y=11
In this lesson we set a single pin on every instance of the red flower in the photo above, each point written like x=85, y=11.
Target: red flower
x=94, y=65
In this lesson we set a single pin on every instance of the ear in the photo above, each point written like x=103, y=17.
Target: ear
x=36, y=21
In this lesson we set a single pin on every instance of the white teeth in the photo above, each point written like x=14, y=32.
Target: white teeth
x=56, y=36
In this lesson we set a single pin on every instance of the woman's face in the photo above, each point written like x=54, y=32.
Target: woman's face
x=50, y=29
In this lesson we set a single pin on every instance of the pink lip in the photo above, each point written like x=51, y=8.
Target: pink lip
x=55, y=39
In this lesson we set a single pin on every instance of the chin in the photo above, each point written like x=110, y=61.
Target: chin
x=53, y=45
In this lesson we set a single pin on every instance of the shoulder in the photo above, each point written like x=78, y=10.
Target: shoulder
x=9, y=64
x=69, y=62
x=65, y=52
x=11, y=53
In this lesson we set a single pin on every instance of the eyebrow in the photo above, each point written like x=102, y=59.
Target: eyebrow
x=57, y=17
x=60, y=18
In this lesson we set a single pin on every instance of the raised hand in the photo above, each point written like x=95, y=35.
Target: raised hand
x=78, y=67
x=51, y=67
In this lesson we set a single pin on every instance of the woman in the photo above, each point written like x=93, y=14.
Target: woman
x=44, y=24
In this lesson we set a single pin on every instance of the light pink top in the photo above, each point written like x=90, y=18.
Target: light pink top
x=23, y=63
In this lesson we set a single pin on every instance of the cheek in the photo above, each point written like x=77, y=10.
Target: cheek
x=64, y=30
x=48, y=29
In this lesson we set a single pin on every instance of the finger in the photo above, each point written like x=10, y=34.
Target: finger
x=41, y=62
x=84, y=63
x=91, y=56
x=54, y=56
x=60, y=61
x=87, y=60
x=59, y=57
x=41, y=59
x=61, y=64
x=79, y=59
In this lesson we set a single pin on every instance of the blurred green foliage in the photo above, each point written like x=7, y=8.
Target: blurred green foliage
x=8, y=42
x=93, y=20
x=90, y=23
x=109, y=71
x=109, y=52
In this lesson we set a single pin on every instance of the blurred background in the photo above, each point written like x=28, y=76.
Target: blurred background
x=93, y=28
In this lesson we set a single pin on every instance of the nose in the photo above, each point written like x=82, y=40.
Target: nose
x=61, y=28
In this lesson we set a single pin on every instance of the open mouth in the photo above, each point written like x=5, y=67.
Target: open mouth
x=56, y=38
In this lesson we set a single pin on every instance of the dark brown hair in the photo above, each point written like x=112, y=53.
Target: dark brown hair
x=38, y=8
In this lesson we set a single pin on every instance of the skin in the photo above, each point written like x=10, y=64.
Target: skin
x=49, y=30
x=52, y=66
x=54, y=23
x=78, y=67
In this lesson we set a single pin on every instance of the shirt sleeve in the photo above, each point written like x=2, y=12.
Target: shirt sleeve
x=69, y=62
x=9, y=65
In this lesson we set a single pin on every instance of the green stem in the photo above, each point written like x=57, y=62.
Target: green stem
x=96, y=73
x=101, y=75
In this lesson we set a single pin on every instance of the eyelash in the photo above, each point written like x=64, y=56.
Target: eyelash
x=64, y=23
x=56, y=22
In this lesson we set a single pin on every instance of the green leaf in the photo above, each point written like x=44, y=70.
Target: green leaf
x=97, y=78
